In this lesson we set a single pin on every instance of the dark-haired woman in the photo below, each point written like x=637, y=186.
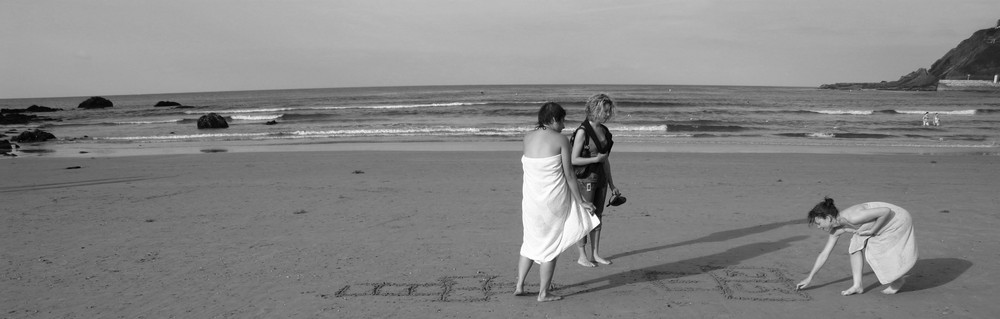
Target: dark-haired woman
x=554, y=215
x=882, y=235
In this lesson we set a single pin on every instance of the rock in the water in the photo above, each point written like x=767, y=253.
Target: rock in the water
x=16, y=118
x=212, y=120
x=32, y=108
x=166, y=103
x=33, y=136
x=39, y=108
x=96, y=102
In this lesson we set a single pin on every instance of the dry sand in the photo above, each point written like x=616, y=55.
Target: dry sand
x=412, y=234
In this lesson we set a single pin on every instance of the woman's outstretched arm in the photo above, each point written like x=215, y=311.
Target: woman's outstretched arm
x=821, y=259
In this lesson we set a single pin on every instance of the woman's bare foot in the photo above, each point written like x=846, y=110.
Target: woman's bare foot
x=519, y=288
x=852, y=290
x=585, y=263
x=602, y=260
x=894, y=286
x=548, y=297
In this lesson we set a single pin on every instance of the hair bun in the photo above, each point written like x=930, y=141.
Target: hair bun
x=828, y=201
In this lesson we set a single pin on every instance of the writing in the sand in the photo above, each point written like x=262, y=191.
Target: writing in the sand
x=741, y=283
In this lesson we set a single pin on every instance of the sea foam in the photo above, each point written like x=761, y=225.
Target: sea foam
x=148, y=122
x=256, y=117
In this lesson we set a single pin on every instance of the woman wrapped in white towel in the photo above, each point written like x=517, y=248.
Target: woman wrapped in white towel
x=883, y=236
x=554, y=215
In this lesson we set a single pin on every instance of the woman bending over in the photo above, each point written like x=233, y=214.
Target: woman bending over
x=882, y=235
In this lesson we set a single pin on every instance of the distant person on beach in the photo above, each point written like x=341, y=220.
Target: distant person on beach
x=883, y=235
x=591, y=147
x=554, y=215
x=927, y=118
x=937, y=122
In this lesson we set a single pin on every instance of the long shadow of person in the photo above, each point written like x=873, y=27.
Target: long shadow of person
x=715, y=237
x=690, y=267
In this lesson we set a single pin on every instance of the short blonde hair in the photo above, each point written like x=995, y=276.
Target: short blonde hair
x=600, y=108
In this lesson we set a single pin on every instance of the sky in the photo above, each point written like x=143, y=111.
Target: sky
x=54, y=48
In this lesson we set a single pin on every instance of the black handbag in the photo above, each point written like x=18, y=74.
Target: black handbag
x=582, y=171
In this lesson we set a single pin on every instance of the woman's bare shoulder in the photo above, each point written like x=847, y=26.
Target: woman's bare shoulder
x=861, y=213
x=557, y=138
x=853, y=208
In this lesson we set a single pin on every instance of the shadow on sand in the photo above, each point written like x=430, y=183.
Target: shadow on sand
x=11, y=189
x=715, y=237
x=683, y=268
x=931, y=273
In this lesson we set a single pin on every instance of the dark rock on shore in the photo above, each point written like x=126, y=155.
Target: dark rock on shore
x=975, y=58
x=6, y=148
x=17, y=118
x=166, y=103
x=31, y=109
x=39, y=108
x=271, y=122
x=96, y=102
x=212, y=120
x=33, y=136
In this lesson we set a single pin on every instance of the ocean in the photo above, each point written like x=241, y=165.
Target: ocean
x=647, y=115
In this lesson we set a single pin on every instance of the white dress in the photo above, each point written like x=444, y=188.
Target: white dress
x=893, y=250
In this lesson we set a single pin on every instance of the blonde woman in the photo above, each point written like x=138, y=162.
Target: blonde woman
x=591, y=148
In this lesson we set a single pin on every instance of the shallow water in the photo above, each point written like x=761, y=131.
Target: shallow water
x=647, y=115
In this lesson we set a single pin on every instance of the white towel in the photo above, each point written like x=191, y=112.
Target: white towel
x=893, y=250
x=552, y=220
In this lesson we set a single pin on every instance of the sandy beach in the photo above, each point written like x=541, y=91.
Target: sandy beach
x=435, y=234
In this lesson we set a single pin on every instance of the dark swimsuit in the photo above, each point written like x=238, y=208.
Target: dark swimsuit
x=596, y=182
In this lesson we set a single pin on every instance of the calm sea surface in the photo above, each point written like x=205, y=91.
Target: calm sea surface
x=646, y=114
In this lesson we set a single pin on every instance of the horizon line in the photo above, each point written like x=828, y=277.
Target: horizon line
x=393, y=86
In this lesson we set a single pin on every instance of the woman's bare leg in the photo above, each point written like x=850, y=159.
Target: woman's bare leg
x=523, y=266
x=857, y=263
x=595, y=236
x=585, y=259
x=547, y=270
x=581, y=247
